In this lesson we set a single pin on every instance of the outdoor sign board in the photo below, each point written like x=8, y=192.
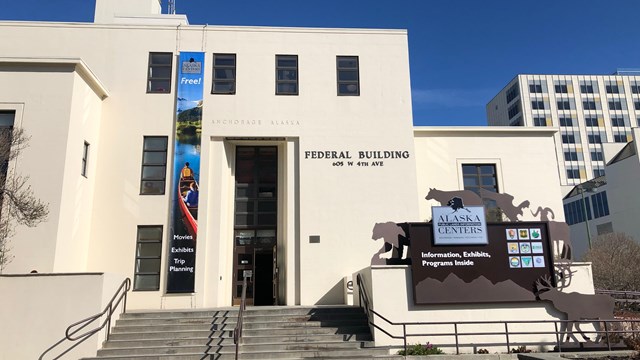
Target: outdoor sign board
x=464, y=226
x=184, y=190
x=504, y=269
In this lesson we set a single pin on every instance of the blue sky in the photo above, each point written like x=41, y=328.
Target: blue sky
x=462, y=52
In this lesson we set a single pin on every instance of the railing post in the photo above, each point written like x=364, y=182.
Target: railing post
x=555, y=325
x=606, y=332
x=506, y=332
x=404, y=336
x=455, y=330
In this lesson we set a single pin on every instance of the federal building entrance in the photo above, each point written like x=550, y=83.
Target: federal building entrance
x=255, y=224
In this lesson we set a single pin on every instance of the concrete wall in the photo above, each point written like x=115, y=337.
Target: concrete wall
x=524, y=160
x=36, y=309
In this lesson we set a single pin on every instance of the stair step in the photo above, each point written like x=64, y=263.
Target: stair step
x=269, y=333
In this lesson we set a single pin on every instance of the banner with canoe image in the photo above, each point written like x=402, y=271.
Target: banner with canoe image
x=186, y=173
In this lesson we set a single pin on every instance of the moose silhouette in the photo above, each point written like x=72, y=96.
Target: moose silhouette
x=577, y=307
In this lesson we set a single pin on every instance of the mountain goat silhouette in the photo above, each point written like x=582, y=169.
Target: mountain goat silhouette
x=577, y=307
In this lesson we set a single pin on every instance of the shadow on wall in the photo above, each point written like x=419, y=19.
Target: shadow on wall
x=334, y=296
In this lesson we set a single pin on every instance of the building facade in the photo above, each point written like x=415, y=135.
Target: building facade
x=299, y=142
x=589, y=110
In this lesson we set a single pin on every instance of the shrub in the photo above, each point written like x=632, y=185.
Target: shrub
x=418, y=349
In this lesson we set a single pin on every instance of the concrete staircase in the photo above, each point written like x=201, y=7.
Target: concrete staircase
x=269, y=333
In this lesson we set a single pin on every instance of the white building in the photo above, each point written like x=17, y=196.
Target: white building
x=306, y=142
x=589, y=110
x=610, y=202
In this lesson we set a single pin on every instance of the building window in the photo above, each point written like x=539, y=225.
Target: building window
x=224, y=74
x=348, y=75
x=148, y=253
x=573, y=173
x=564, y=105
x=517, y=122
x=589, y=105
x=286, y=74
x=635, y=88
x=568, y=139
x=561, y=88
x=566, y=121
x=620, y=137
x=539, y=121
x=616, y=105
x=85, y=159
x=594, y=138
x=154, y=165
x=618, y=121
x=597, y=172
x=536, y=87
x=591, y=121
x=480, y=176
x=537, y=105
x=597, y=156
x=600, y=204
x=636, y=104
x=570, y=155
x=588, y=87
x=512, y=93
x=159, y=75
x=514, y=110
x=612, y=89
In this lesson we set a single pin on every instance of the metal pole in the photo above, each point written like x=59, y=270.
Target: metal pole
x=586, y=217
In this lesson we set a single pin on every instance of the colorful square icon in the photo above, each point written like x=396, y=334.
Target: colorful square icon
x=514, y=261
x=525, y=248
x=535, y=234
x=527, y=261
x=538, y=261
x=536, y=248
x=523, y=234
x=512, y=234
x=513, y=248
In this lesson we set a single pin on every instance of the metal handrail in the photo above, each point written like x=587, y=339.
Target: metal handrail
x=456, y=333
x=237, y=331
x=120, y=296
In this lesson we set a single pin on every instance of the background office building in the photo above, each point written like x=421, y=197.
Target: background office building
x=589, y=110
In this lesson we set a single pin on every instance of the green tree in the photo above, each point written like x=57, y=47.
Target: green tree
x=615, y=259
x=18, y=204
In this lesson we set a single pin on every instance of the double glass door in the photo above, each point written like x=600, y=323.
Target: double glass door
x=255, y=224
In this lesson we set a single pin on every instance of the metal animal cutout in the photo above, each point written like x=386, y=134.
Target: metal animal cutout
x=395, y=249
x=443, y=197
x=577, y=307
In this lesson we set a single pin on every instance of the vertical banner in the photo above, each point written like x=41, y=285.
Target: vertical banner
x=186, y=173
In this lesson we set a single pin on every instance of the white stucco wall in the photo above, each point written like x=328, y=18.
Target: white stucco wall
x=36, y=309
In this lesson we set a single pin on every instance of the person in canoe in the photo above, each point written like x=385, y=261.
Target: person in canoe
x=191, y=198
x=186, y=172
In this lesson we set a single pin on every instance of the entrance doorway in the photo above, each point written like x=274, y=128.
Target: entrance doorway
x=255, y=224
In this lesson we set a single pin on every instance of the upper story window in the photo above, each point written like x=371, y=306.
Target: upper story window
x=590, y=105
x=597, y=155
x=600, y=204
x=591, y=121
x=594, y=138
x=618, y=121
x=537, y=104
x=566, y=121
x=154, y=165
x=514, y=110
x=573, y=173
x=570, y=155
x=85, y=159
x=537, y=86
x=539, y=121
x=564, y=105
x=348, y=74
x=568, y=138
x=561, y=87
x=159, y=74
x=512, y=93
x=612, y=88
x=617, y=104
x=635, y=88
x=286, y=74
x=480, y=176
x=636, y=105
x=224, y=74
x=588, y=87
